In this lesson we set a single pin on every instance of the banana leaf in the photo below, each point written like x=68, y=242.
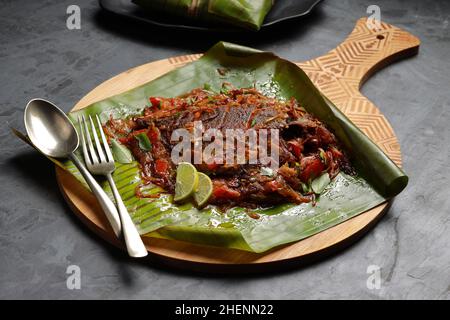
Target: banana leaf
x=247, y=14
x=377, y=179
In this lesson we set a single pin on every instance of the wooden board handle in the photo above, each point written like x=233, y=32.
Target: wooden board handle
x=340, y=73
x=363, y=52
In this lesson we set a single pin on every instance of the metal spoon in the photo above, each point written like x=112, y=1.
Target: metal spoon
x=51, y=131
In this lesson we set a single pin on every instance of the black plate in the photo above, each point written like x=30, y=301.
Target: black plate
x=282, y=10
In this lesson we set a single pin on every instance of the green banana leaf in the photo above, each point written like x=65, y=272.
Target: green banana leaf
x=247, y=14
x=378, y=178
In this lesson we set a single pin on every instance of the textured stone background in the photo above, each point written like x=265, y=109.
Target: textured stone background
x=40, y=237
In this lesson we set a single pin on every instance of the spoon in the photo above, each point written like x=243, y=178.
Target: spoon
x=52, y=133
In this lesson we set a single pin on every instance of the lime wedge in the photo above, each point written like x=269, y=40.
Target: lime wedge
x=186, y=181
x=204, y=189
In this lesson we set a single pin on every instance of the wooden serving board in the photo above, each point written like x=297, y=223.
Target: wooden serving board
x=339, y=75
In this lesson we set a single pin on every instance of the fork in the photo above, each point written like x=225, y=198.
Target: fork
x=99, y=161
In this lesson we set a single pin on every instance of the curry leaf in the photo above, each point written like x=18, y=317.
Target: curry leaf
x=320, y=183
x=121, y=153
x=144, y=142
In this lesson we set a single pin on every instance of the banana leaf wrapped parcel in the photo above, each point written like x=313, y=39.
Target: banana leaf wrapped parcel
x=247, y=14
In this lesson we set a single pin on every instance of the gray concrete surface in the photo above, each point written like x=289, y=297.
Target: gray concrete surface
x=40, y=237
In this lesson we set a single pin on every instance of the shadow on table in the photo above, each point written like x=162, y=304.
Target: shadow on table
x=42, y=175
x=199, y=41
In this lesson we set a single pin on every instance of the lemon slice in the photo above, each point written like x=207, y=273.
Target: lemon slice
x=186, y=181
x=204, y=189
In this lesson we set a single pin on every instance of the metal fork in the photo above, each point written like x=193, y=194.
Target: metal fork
x=99, y=160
